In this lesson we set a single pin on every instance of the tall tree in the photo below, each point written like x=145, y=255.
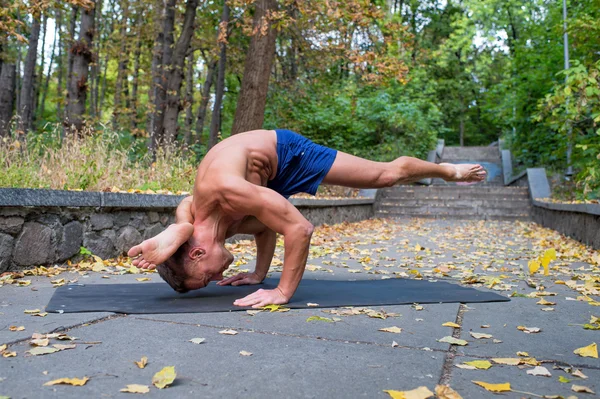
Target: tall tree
x=27, y=99
x=215, y=123
x=8, y=71
x=250, y=112
x=208, y=82
x=189, y=100
x=159, y=94
x=123, y=57
x=82, y=57
x=174, y=73
x=44, y=89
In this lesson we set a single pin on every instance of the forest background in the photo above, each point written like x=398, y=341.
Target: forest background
x=98, y=94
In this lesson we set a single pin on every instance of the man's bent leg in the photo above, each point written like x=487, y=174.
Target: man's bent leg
x=351, y=171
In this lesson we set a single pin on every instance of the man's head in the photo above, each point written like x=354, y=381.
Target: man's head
x=193, y=267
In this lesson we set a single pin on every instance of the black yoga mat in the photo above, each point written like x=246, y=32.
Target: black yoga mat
x=160, y=298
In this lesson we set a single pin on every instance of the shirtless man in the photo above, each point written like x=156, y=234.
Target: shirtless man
x=242, y=186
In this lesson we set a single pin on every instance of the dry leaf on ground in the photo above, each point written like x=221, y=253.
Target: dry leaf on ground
x=453, y=341
x=581, y=388
x=245, y=353
x=539, y=371
x=197, y=341
x=164, y=377
x=319, y=318
x=142, y=363
x=502, y=387
x=588, y=351
x=41, y=350
x=417, y=393
x=480, y=335
x=450, y=324
x=394, y=329
x=480, y=364
x=228, y=332
x=69, y=381
x=445, y=392
x=136, y=388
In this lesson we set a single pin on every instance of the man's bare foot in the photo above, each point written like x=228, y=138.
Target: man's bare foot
x=158, y=249
x=468, y=173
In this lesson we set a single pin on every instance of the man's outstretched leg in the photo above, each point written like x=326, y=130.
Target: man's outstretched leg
x=351, y=171
x=158, y=249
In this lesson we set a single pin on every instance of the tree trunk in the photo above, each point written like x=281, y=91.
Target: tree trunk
x=136, y=70
x=27, y=95
x=59, y=65
x=47, y=81
x=122, y=65
x=7, y=96
x=250, y=112
x=37, y=87
x=72, y=27
x=103, y=92
x=95, y=75
x=78, y=81
x=175, y=73
x=215, y=123
x=189, y=100
x=160, y=93
x=210, y=74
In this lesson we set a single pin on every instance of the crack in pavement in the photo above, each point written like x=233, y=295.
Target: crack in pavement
x=312, y=337
x=67, y=328
x=451, y=352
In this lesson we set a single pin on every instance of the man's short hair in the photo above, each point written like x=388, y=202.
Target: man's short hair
x=173, y=270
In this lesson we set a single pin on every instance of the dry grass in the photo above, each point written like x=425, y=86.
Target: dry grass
x=96, y=162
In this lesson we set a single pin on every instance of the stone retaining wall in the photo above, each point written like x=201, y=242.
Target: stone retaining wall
x=578, y=221
x=40, y=227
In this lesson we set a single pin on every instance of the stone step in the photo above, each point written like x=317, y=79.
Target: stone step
x=462, y=217
x=456, y=192
x=471, y=154
x=457, y=202
x=455, y=210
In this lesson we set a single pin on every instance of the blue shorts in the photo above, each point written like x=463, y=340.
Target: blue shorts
x=301, y=164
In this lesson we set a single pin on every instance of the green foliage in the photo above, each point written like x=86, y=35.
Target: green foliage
x=84, y=251
x=572, y=110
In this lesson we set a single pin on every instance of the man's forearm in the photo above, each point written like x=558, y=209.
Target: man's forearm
x=294, y=263
x=265, y=248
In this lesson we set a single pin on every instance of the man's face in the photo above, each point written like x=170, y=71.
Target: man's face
x=209, y=267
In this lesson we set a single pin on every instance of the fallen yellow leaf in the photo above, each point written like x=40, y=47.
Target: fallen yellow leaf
x=15, y=328
x=502, y=387
x=453, y=341
x=228, y=332
x=480, y=335
x=69, y=381
x=395, y=330
x=588, y=351
x=31, y=311
x=445, y=392
x=581, y=388
x=417, y=393
x=142, y=363
x=480, y=364
x=509, y=361
x=534, y=266
x=164, y=377
x=143, y=279
x=245, y=353
x=449, y=324
x=136, y=388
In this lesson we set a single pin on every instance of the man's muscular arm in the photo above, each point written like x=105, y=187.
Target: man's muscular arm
x=278, y=214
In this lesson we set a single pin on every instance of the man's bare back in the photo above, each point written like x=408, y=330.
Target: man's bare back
x=231, y=195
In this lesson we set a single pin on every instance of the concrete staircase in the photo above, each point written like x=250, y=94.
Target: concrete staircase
x=487, y=200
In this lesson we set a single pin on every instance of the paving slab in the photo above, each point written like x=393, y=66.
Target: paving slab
x=461, y=381
x=561, y=330
x=420, y=329
x=14, y=300
x=281, y=366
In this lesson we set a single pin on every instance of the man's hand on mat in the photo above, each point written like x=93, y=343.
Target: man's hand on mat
x=263, y=297
x=242, y=279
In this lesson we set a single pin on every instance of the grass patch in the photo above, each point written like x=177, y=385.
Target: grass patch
x=97, y=161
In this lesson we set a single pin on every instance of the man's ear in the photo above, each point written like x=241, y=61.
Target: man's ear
x=196, y=253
